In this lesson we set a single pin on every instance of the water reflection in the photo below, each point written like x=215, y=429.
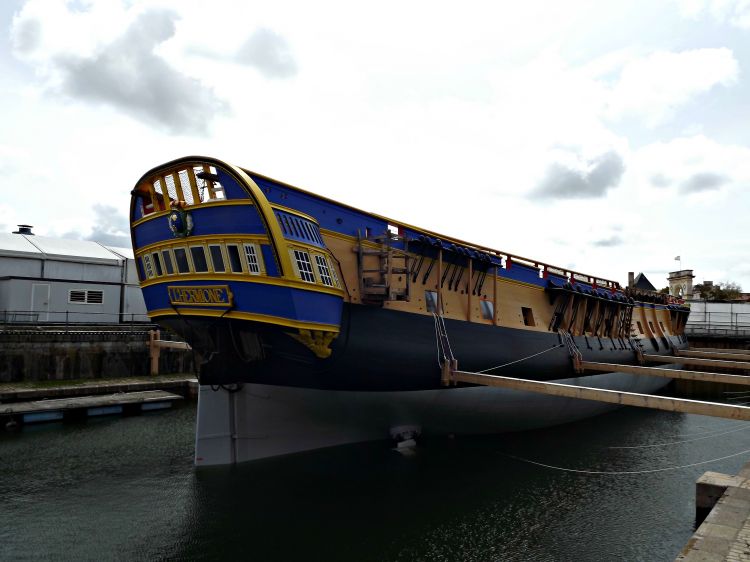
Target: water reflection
x=125, y=488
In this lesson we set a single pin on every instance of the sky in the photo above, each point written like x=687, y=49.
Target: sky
x=603, y=137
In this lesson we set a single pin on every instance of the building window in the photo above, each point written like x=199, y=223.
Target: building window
x=199, y=259
x=180, y=256
x=168, y=262
x=217, y=258
x=85, y=297
x=251, y=255
x=528, y=316
x=323, y=271
x=488, y=309
x=304, y=266
x=148, y=266
x=235, y=263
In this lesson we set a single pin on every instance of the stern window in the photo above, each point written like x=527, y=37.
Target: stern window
x=148, y=266
x=180, y=256
x=157, y=263
x=167, y=261
x=251, y=255
x=323, y=271
x=235, y=263
x=199, y=258
x=304, y=266
x=217, y=258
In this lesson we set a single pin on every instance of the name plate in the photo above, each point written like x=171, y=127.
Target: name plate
x=206, y=295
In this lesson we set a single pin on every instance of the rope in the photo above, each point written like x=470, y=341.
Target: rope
x=522, y=359
x=625, y=472
x=709, y=436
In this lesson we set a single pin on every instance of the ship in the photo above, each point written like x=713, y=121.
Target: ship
x=317, y=324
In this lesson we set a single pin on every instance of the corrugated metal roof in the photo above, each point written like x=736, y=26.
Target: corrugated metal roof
x=58, y=248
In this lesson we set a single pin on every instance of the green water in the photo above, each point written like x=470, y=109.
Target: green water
x=125, y=489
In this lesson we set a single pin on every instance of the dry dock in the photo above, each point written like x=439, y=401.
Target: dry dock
x=725, y=532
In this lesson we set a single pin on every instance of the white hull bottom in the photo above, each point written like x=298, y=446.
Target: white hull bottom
x=265, y=421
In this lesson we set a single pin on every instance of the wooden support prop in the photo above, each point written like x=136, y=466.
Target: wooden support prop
x=720, y=350
x=713, y=355
x=742, y=365
x=664, y=372
x=665, y=403
x=155, y=346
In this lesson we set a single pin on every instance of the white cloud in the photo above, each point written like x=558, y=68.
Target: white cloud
x=733, y=12
x=124, y=72
x=653, y=87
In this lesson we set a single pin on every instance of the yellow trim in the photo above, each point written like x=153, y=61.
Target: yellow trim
x=220, y=203
x=244, y=278
x=265, y=318
x=208, y=239
x=295, y=212
x=266, y=211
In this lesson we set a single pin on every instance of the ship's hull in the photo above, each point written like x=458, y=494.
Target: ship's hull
x=263, y=420
x=385, y=350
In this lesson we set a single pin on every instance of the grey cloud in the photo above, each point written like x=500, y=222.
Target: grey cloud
x=27, y=35
x=660, y=180
x=705, y=181
x=614, y=240
x=110, y=227
x=269, y=53
x=128, y=75
x=562, y=182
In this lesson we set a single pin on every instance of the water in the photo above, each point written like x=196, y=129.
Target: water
x=125, y=489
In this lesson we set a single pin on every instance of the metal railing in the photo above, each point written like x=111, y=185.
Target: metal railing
x=68, y=318
x=718, y=323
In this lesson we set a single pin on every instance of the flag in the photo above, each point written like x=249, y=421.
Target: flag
x=677, y=258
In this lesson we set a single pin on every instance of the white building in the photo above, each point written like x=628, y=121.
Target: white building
x=45, y=279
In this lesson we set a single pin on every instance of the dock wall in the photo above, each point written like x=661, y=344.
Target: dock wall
x=30, y=355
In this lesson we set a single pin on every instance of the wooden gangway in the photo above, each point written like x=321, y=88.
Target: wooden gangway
x=452, y=375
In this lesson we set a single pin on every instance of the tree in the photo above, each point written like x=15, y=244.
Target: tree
x=722, y=291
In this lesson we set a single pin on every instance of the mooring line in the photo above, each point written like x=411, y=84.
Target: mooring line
x=523, y=358
x=624, y=472
x=705, y=436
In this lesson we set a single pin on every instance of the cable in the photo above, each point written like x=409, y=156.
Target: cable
x=624, y=472
x=522, y=359
x=708, y=436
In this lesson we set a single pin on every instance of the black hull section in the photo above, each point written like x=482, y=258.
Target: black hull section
x=384, y=350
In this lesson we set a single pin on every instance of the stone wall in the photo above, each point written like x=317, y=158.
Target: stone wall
x=28, y=355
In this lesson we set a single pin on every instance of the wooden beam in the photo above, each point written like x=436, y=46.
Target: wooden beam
x=720, y=350
x=664, y=372
x=743, y=365
x=665, y=403
x=713, y=354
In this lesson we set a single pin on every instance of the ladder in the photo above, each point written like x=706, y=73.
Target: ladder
x=383, y=270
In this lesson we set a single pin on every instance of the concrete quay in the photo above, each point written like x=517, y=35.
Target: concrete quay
x=185, y=385
x=724, y=534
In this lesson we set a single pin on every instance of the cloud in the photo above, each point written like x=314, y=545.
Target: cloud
x=27, y=36
x=733, y=12
x=610, y=242
x=269, y=53
x=110, y=227
x=592, y=180
x=652, y=87
x=705, y=181
x=127, y=74
x=660, y=180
